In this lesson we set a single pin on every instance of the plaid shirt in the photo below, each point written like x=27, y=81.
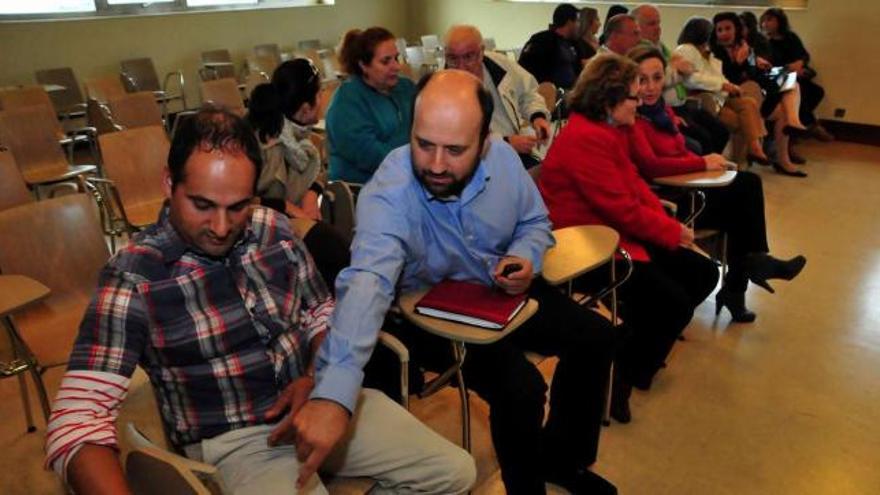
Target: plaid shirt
x=219, y=338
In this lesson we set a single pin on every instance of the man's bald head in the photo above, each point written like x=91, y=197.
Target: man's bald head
x=464, y=49
x=648, y=17
x=450, y=127
x=457, y=92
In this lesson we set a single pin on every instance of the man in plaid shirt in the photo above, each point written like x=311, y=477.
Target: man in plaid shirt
x=224, y=309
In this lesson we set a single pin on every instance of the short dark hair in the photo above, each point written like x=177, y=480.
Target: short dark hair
x=487, y=105
x=781, y=19
x=644, y=51
x=733, y=19
x=359, y=47
x=604, y=83
x=749, y=21
x=563, y=14
x=212, y=128
x=696, y=31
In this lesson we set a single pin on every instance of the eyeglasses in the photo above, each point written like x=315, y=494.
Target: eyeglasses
x=635, y=98
x=465, y=58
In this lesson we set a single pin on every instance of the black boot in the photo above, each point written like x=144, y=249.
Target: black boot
x=762, y=267
x=735, y=303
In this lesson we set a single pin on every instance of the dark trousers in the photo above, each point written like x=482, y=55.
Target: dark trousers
x=738, y=210
x=704, y=127
x=811, y=96
x=656, y=304
x=515, y=389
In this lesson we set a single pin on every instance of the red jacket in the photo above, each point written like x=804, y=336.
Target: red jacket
x=657, y=153
x=588, y=178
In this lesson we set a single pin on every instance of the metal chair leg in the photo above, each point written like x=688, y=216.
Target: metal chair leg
x=29, y=416
x=459, y=351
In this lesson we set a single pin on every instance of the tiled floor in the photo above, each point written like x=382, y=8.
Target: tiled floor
x=787, y=405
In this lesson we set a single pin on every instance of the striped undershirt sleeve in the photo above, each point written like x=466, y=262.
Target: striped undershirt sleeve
x=84, y=411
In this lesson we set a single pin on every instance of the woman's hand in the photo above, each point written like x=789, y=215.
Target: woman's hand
x=715, y=161
x=731, y=89
x=763, y=63
x=686, y=237
x=742, y=53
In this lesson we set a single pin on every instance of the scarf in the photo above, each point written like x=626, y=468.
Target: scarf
x=658, y=116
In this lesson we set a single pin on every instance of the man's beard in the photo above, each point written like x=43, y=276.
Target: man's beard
x=451, y=189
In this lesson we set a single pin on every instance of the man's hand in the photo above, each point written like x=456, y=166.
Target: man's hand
x=542, y=129
x=522, y=144
x=291, y=399
x=518, y=281
x=715, y=161
x=762, y=63
x=319, y=425
x=686, y=238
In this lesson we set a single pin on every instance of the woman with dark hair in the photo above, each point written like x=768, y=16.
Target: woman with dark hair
x=371, y=112
x=738, y=112
x=752, y=34
x=282, y=113
x=657, y=148
x=612, y=11
x=787, y=50
x=586, y=43
x=741, y=66
x=588, y=178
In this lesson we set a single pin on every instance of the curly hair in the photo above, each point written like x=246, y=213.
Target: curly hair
x=603, y=84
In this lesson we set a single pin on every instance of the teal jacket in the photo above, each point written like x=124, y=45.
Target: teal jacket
x=363, y=126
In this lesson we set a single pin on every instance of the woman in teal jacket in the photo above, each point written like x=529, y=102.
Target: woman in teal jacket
x=371, y=112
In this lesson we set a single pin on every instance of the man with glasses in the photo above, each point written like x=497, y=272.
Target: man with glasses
x=521, y=116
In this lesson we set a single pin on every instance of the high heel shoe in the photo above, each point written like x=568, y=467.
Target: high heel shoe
x=762, y=267
x=795, y=158
x=750, y=158
x=735, y=303
x=791, y=130
x=791, y=173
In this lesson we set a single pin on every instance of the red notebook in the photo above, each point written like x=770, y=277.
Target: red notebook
x=471, y=303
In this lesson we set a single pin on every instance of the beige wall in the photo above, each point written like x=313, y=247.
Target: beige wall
x=841, y=36
x=95, y=47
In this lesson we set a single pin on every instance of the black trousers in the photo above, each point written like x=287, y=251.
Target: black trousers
x=515, y=390
x=811, y=96
x=738, y=210
x=656, y=304
x=704, y=127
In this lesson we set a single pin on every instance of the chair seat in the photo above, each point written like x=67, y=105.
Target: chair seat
x=144, y=214
x=52, y=175
x=705, y=233
x=50, y=327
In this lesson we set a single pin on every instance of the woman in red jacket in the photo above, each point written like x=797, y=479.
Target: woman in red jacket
x=657, y=149
x=588, y=178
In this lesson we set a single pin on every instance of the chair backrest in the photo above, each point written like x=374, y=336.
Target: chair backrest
x=59, y=243
x=105, y=87
x=548, y=91
x=415, y=56
x=337, y=208
x=140, y=74
x=305, y=45
x=30, y=133
x=134, y=160
x=270, y=51
x=64, y=99
x=220, y=56
x=135, y=110
x=329, y=62
x=223, y=92
x=431, y=43
x=13, y=189
x=489, y=44
x=262, y=63
x=254, y=79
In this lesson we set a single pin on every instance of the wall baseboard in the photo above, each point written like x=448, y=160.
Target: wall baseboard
x=852, y=132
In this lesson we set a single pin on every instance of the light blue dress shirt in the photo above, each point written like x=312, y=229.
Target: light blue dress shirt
x=406, y=239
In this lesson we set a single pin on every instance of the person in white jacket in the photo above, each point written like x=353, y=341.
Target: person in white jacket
x=739, y=113
x=521, y=116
